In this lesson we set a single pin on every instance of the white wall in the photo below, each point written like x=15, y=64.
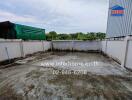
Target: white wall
x=115, y=49
x=104, y=46
x=46, y=45
x=32, y=47
x=129, y=56
x=62, y=45
x=18, y=48
x=11, y=49
x=87, y=45
x=77, y=45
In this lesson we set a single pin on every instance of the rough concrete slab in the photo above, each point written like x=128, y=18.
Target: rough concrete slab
x=90, y=62
x=30, y=81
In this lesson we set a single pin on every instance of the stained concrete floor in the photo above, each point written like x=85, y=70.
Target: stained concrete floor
x=103, y=79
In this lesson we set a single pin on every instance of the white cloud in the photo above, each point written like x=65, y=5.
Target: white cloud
x=84, y=16
x=60, y=15
x=16, y=18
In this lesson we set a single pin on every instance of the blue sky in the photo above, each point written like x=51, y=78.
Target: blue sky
x=63, y=16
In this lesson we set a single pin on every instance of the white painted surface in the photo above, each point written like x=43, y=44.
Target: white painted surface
x=125, y=49
x=62, y=45
x=13, y=49
x=104, y=46
x=17, y=48
x=115, y=49
x=77, y=45
x=32, y=47
x=129, y=56
x=46, y=45
x=87, y=45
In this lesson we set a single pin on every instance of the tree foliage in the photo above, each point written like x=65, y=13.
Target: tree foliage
x=52, y=35
x=76, y=36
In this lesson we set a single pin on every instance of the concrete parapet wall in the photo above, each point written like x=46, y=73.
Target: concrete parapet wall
x=113, y=49
x=10, y=49
x=32, y=47
x=46, y=45
x=120, y=50
x=77, y=45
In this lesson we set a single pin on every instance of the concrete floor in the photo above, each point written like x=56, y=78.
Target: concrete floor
x=83, y=76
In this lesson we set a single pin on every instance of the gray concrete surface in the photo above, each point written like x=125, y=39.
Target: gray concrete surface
x=90, y=62
x=104, y=80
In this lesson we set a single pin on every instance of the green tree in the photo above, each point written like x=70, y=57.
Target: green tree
x=52, y=35
x=101, y=36
x=80, y=36
x=64, y=37
x=76, y=36
x=91, y=36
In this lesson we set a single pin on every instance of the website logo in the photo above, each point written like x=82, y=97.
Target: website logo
x=117, y=11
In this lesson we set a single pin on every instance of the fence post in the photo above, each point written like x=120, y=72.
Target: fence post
x=126, y=41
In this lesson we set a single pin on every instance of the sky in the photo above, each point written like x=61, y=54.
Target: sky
x=62, y=16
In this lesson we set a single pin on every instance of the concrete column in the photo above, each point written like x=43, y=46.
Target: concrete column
x=72, y=48
x=21, y=49
x=52, y=46
x=125, y=48
x=106, y=46
x=43, y=45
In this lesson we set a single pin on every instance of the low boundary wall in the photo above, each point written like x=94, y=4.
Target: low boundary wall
x=77, y=45
x=113, y=49
x=120, y=50
x=10, y=49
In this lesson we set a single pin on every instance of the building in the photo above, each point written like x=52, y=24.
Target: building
x=119, y=18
